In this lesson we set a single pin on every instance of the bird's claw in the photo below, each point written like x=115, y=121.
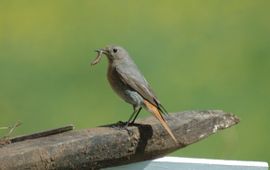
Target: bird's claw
x=122, y=126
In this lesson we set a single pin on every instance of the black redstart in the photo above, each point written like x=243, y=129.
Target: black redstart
x=128, y=82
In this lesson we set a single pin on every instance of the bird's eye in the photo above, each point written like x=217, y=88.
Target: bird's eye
x=115, y=50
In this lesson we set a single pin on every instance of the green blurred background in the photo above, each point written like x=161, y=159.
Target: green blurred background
x=195, y=54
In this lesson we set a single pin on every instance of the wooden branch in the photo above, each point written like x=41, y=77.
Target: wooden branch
x=42, y=134
x=110, y=146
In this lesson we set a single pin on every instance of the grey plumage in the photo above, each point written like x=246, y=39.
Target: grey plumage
x=128, y=82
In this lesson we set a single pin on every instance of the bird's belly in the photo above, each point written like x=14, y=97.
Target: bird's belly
x=123, y=90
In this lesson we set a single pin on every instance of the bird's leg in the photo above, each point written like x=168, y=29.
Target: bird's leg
x=136, y=109
x=133, y=121
x=125, y=124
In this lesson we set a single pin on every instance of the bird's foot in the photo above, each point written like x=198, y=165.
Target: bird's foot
x=123, y=126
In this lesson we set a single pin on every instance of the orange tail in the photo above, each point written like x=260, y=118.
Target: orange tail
x=153, y=109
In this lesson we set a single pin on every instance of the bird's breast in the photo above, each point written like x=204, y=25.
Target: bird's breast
x=115, y=81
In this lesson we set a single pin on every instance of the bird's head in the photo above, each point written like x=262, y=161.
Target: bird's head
x=112, y=52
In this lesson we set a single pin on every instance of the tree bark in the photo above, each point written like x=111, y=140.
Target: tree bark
x=108, y=145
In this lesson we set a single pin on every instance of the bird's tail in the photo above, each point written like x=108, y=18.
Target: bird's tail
x=155, y=111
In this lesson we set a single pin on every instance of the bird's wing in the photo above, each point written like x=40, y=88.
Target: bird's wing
x=133, y=78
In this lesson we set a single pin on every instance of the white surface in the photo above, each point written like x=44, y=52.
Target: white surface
x=211, y=161
x=179, y=163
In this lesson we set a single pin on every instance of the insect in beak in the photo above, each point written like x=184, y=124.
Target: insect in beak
x=98, y=57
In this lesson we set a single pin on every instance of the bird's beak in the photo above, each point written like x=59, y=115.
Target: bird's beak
x=98, y=57
x=103, y=50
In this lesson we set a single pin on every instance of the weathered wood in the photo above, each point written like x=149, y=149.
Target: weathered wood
x=109, y=146
x=7, y=140
x=42, y=134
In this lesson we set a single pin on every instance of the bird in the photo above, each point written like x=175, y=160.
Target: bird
x=129, y=83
